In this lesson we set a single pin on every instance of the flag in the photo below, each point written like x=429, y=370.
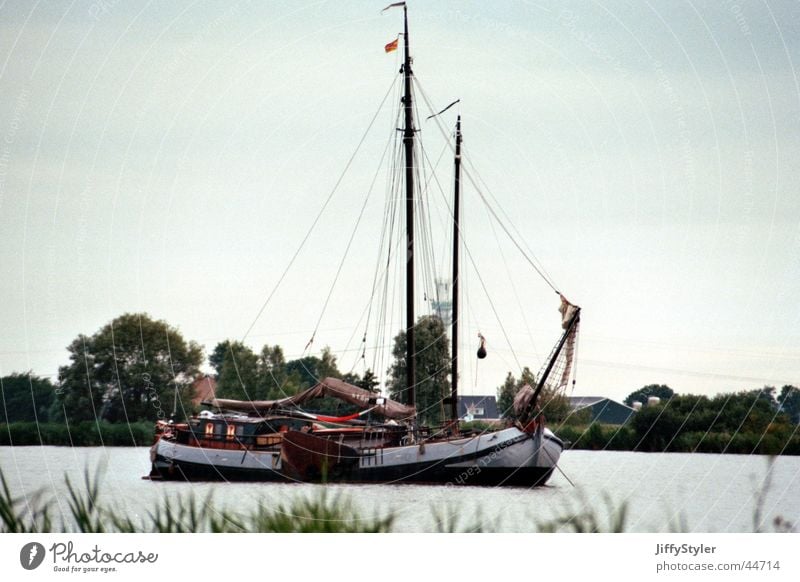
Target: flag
x=392, y=46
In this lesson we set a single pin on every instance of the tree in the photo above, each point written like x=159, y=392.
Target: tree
x=369, y=382
x=508, y=390
x=432, y=369
x=244, y=375
x=127, y=371
x=25, y=398
x=274, y=376
x=310, y=370
x=217, y=356
x=663, y=391
x=239, y=376
x=551, y=401
x=656, y=427
x=789, y=401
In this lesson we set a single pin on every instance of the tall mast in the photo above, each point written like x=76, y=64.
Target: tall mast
x=455, y=315
x=408, y=142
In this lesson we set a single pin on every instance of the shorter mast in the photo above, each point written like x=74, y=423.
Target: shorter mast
x=456, y=210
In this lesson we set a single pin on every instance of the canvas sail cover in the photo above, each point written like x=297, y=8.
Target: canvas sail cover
x=332, y=387
x=523, y=402
x=568, y=311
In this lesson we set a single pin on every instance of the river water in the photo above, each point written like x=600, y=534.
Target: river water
x=661, y=491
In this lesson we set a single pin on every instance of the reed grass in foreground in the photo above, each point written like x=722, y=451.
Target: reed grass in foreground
x=323, y=513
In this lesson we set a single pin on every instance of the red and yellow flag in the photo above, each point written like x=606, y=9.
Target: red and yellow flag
x=392, y=46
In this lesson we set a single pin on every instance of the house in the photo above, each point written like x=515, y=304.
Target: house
x=203, y=388
x=604, y=410
x=478, y=408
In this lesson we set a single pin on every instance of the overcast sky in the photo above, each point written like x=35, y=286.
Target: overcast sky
x=169, y=158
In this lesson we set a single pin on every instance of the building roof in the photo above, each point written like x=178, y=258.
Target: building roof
x=603, y=409
x=467, y=405
x=203, y=388
x=584, y=401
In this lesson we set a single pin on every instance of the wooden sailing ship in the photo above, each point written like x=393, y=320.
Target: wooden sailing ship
x=383, y=442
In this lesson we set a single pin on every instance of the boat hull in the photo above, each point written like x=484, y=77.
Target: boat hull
x=507, y=457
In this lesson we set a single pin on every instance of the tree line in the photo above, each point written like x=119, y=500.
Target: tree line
x=759, y=421
x=136, y=369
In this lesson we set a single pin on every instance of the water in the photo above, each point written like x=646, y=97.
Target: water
x=663, y=492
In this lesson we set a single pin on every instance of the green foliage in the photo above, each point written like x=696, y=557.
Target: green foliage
x=317, y=513
x=320, y=513
x=17, y=515
x=552, y=403
x=86, y=513
x=450, y=519
x=745, y=422
x=244, y=375
x=663, y=391
x=127, y=371
x=274, y=375
x=582, y=417
x=789, y=402
x=508, y=390
x=25, y=397
x=217, y=356
x=582, y=520
x=432, y=369
x=598, y=437
x=368, y=382
x=310, y=370
x=239, y=374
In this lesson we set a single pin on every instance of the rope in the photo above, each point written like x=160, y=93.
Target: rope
x=514, y=290
x=352, y=237
x=377, y=271
x=319, y=215
x=467, y=251
x=539, y=270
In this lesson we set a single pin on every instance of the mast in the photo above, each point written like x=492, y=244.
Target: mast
x=454, y=332
x=408, y=142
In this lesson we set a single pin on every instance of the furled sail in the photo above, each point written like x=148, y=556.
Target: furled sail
x=568, y=311
x=332, y=387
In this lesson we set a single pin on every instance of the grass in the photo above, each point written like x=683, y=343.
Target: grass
x=322, y=513
x=612, y=519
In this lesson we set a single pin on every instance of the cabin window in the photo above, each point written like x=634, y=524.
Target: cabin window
x=231, y=431
x=209, y=429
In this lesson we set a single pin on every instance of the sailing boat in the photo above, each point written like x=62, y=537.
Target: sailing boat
x=383, y=442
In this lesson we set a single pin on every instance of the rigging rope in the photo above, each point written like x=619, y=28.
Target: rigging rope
x=539, y=270
x=387, y=217
x=534, y=262
x=352, y=236
x=319, y=215
x=514, y=290
x=465, y=246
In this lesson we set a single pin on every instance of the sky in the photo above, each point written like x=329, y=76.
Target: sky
x=169, y=158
